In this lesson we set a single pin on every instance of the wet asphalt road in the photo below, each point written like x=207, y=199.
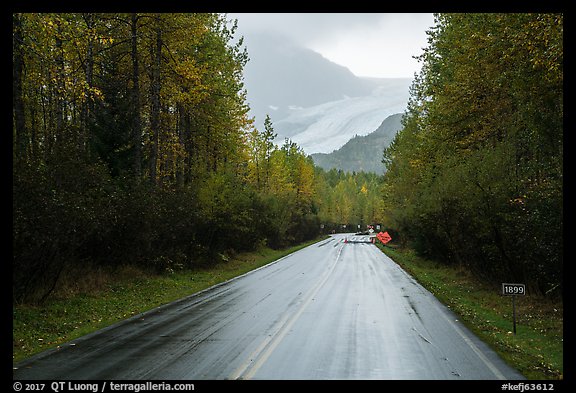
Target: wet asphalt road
x=333, y=310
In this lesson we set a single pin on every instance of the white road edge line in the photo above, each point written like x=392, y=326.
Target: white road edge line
x=474, y=348
x=460, y=332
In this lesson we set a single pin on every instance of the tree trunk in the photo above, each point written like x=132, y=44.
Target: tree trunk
x=59, y=83
x=156, y=52
x=137, y=125
x=17, y=94
x=88, y=106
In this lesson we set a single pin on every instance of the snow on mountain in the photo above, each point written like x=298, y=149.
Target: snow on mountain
x=318, y=104
x=326, y=127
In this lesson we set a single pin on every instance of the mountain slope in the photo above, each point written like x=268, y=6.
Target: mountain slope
x=282, y=75
x=362, y=153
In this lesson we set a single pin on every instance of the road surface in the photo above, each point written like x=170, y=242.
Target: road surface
x=333, y=310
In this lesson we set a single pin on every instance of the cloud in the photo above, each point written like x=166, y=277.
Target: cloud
x=386, y=48
x=303, y=27
x=369, y=44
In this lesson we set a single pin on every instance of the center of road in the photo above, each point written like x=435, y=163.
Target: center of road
x=258, y=357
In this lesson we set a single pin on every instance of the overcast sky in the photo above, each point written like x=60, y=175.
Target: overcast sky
x=369, y=44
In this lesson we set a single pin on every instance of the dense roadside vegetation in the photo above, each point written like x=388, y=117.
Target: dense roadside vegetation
x=475, y=177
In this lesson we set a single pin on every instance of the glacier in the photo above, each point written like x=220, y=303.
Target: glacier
x=326, y=127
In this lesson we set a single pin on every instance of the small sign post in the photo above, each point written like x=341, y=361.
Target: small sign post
x=513, y=290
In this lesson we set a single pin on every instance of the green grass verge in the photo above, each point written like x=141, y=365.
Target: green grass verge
x=121, y=294
x=537, y=348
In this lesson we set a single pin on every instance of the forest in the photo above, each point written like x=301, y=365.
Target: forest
x=132, y=144
x=475, y=177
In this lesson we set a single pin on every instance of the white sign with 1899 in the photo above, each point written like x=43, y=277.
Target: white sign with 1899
x=513, y=289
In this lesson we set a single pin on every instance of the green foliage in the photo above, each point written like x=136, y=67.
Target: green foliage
x=121, y=124
x=132, y=145
x=348, y=199
x=475, y=176
x=283, y=179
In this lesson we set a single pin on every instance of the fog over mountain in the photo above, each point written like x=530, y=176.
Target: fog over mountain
x=318, y=104
x=282, y=75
